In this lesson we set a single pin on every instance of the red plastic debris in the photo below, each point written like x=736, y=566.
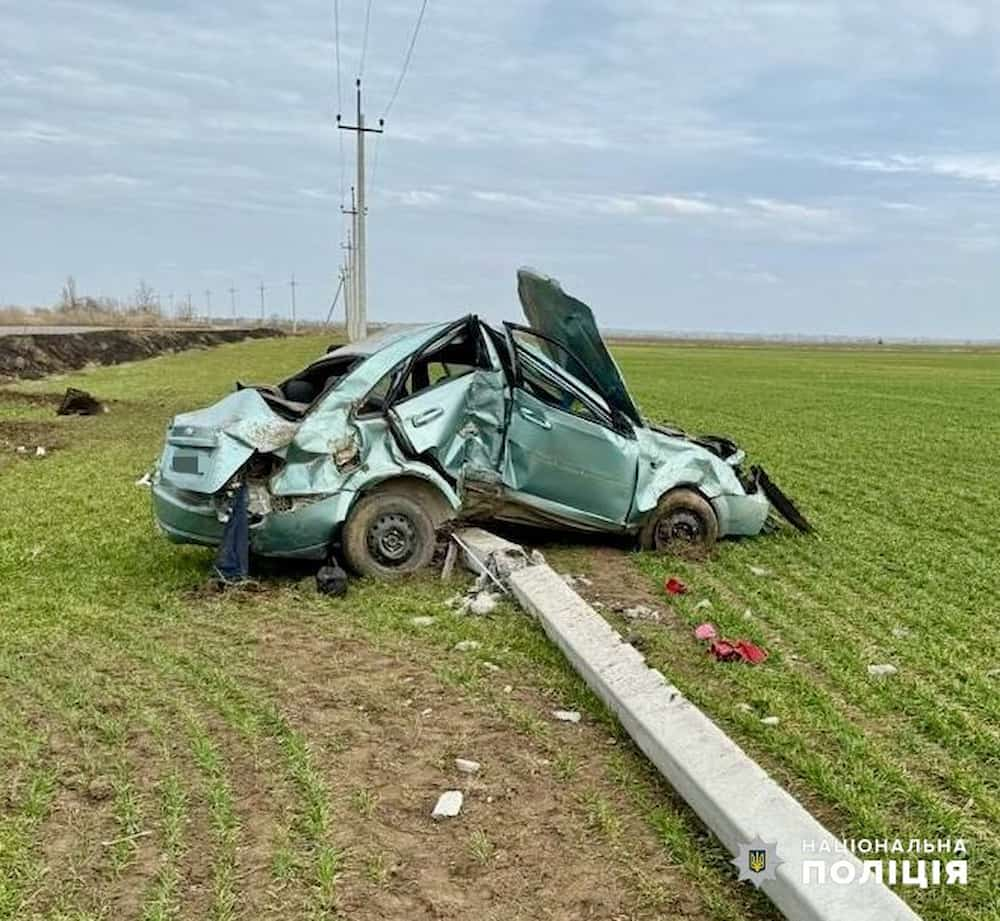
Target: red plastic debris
x=751, y=652
x=675, y=587
x=737, y=651
x=705, y=632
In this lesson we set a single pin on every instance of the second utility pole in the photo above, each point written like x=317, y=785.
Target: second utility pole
x=360, y=237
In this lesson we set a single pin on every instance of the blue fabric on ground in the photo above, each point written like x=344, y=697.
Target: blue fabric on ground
x=232, y=562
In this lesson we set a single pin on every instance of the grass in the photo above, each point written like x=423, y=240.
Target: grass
x=107, y=638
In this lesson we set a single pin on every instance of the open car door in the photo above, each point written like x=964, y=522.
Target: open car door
x=562, y=318
x=567, y=451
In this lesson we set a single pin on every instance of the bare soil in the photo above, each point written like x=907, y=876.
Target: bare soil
x=35, y=356
x=380, y=723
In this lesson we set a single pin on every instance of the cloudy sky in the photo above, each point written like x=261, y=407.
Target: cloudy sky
x=785, y=166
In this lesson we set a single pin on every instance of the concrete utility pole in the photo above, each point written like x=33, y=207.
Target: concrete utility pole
x=360, y=235
x=295, y=322
x=208, y=307
x=336, y=297
x=262, y=300
x=351, y=314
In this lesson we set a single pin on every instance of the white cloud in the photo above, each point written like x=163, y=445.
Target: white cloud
x=982, y=167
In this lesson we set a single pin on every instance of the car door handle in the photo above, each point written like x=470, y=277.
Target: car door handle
x=537, y=418
x=428, y=415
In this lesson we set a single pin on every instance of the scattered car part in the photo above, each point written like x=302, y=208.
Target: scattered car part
x=782, y=504
x=705, y=632
x=674, y=586
x=737, y=651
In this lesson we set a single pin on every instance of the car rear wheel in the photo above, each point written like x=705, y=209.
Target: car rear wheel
x=387, y=535
x=682, y=522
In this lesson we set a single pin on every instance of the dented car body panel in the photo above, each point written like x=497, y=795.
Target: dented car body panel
x=528, y=424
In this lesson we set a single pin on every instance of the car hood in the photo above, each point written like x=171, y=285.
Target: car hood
x=554, y=313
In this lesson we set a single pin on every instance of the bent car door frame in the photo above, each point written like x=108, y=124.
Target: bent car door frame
x=582, y=466
x=455, y=422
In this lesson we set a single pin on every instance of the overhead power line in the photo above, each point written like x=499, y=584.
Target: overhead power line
x=406, y=60
x=340, y=137
x=364, y=42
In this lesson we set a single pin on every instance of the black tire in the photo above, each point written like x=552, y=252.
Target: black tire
x=682, y=522
x=388, y=535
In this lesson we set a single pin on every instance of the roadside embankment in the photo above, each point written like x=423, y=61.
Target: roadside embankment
x=34, y=356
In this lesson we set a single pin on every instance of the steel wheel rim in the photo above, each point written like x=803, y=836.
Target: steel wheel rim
x=682, y=526
x=392, y=539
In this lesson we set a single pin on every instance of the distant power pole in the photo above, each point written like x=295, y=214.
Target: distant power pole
x=262, y=300
x=360, y=234
x=208, y=307
x=170, y=297
x=336, y=297
x=190, y=309
x=295, y=322
x=233, y=291
x=351, y=313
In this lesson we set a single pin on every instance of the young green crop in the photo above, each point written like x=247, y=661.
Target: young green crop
x=107, y=637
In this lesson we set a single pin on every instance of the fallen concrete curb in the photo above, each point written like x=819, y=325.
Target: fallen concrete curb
x=729, y=791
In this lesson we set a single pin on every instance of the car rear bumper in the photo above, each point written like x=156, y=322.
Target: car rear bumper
x=186, y=518
x=302, y=531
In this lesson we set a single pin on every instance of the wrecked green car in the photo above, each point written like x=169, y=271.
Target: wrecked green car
x=375, y=446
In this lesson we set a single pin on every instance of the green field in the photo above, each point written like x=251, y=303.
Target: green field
x=168, y=752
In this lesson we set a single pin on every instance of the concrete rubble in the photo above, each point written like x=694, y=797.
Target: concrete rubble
x=567, y=716
x=449, y=805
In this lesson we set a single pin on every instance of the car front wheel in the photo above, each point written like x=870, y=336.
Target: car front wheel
x=683, y=521
x=387, y=535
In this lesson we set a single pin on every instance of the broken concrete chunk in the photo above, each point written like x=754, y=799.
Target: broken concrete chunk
x=451, y=555
x=567, y=716
x=537, y=558
x=770, y=721
x=483, y=604
x=467, y=766
x=491, y=666
x=760, y=571
x=467, y=645
x=449, y=805
x=21, y=449
x=422, y=621
x=882, y=671
x=40, y=451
